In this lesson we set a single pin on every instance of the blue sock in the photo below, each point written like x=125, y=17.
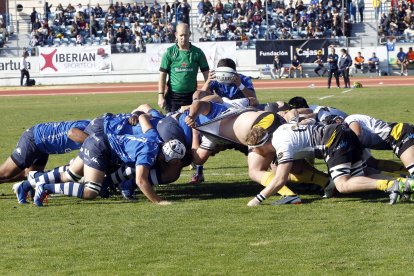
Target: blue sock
x=26, y=186
x=199, y=169
x=69, y=188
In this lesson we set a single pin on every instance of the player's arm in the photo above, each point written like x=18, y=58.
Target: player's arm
x=200, y=155
x=247, y=92
x=278, y=181
x=77, y=135
x=144, y=121
x=141, y=178
x=356, y=128
x=210, y=76
x=197, y=108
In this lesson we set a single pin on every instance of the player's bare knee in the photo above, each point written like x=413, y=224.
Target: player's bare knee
x=341, y=184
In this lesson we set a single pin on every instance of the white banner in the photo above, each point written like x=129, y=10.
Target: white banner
x=214, y=51
x=78, y=60
x=12, y=65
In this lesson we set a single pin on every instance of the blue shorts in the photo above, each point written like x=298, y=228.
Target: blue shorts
x=95, y=126
x=96, y=152
x=168, y=128
x=27, y=153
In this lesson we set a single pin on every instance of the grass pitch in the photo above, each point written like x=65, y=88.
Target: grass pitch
x=208, y=229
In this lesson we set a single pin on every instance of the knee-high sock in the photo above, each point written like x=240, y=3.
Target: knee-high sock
x=121, y=174
x=310, y=175
x=68, y=188
x=392, y=166
x=52, y=176
x=268, y=176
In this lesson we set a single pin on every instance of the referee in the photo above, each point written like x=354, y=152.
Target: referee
x=333, y=68
x=181, y=63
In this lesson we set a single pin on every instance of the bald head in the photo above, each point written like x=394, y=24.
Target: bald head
x=182, y=35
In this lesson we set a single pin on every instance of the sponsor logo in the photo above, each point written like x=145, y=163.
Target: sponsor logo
x=93, y=159
x=68, y=60
x=189, y=69
x=49, y=61
x=308, y=52
x=273, y=53
x=279, y=155
x=19, y=151
x=12, y=66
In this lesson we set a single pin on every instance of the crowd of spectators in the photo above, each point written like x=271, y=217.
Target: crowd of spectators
x=130, y=27
x=399, y=22
x=246, y=20
x=3, y=32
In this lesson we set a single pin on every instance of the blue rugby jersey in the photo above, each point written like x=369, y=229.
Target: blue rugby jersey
x=231, y=91
x=52, y=138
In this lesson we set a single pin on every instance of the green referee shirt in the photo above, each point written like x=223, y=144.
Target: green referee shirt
x=182, y=68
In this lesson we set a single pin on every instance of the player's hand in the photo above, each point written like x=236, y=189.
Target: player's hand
x=164, y=202
x=133, y=120
x=237, y=80
x=254, y=202
x=189, y=120
x=161, y=102
x=211, y=76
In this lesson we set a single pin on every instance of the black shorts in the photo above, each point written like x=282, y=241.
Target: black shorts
x=342, y=151
x=401, y=138
x=27, y=153
x=96, y=152
x=175, y=100
x=169, y=129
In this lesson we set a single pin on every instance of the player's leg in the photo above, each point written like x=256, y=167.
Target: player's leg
x=10, y=171
x=258, y=166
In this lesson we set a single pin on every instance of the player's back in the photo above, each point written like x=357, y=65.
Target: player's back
x=52, y=137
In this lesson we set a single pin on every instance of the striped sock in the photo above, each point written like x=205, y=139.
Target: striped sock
x=68, y=188
x=122, y=174
x=52, y=176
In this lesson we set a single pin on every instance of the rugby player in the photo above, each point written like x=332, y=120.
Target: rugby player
x=114, y=141
x=379, y=135
x=341, y=150
x=233, y=129
x=37, y=143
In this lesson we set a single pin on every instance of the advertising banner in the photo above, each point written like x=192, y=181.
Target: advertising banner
x=12, y=65
x=74, y=60
x=213, y=51
x=306, y=50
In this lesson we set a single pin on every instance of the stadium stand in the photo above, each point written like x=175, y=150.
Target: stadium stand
x=399, y=22
x=127, y=27
x=247, y=22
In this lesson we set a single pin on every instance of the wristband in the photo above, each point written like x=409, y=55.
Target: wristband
x=260, y=197
x=241, y=87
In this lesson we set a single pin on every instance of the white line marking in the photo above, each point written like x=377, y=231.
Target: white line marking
x=329, y=96
x=346, y=91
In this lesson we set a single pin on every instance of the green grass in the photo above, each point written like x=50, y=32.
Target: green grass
x=208, y=229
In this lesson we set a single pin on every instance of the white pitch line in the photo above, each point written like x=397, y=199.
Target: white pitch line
x=346, y=91
x=326, y=97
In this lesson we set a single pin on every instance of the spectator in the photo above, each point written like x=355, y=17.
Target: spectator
x=218, y=8
x=36, y=25
x=34, y=18
x=345, y=62
x=361, y=7
x=373, y=64
x=98, y=11
x=295, y=66
x=207, y=7
x=353, y=10
x=319, y=64
x=184, y=12
x=278, y=70
x=80, y=40
x=47, y=10
x=359, y=63
x=200, y=11
x=402, y=61
x=410, y=55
